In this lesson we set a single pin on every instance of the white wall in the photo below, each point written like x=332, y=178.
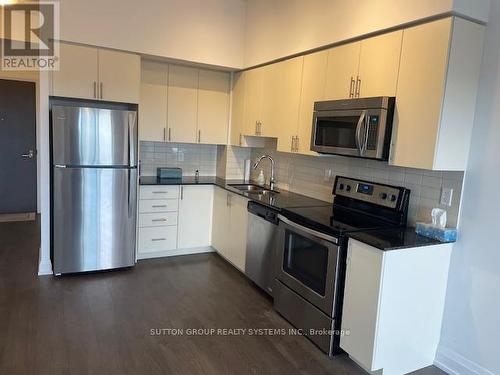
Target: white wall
x=205, y=31
x=471, y=327
x=280, y=28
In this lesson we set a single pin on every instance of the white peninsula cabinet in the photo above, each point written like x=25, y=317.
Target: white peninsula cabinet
x=174, y=220
x=393, y=306
x=436, y=94
x=229, y=230
x=97, y=73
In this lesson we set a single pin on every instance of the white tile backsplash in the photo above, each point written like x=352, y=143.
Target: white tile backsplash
x=309, y=175
x=189, y=157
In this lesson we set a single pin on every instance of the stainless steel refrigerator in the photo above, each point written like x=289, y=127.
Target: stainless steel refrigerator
x=94, y=188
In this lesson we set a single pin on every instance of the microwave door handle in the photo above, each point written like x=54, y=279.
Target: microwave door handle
x=358, y=133
x=367, y=129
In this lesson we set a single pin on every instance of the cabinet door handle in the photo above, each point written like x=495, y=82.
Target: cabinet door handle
x=160, y=192
x=199, y=136
x=260, y=127
x=155, y=220
x=95, y=90
x=158, y=239
x=100, y=90
x=241, y=142
x=358, y=86
x=164, y=135
x=169, y=134
x=351, y=87
x=159, y=206
x=182, y=192
x=297, y=143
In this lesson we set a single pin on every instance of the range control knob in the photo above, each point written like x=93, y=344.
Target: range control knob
x=393, y=198
x=341, y=186
x=348, y=188
x=383, y=196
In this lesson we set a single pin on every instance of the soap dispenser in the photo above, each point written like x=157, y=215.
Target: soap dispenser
x=261, y=180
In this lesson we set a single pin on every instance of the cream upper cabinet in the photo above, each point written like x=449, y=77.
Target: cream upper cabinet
x=280, y=105
x=119, y=76
x=238, y=108
x=182, y=104
x=342, y=71
x=379, y=65
x=213, y=107
x=78, y=73
x=436, y=94
x=313, y=90
x=153, y=102
x=94, y=73
x=253, y=101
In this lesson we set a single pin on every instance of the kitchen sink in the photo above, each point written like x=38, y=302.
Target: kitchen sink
x=252, y=189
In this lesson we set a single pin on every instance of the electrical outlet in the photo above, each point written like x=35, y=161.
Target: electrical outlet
x=446, y=196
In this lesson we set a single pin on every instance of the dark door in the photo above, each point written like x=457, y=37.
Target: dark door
x=17, y=147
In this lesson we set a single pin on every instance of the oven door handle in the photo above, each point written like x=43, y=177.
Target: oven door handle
x=308, y=230
x=359, y=143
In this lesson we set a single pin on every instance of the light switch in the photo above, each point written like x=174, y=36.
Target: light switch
x=446, y=196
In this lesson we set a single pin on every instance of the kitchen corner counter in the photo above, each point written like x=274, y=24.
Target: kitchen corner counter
x=394, y=239
x=281, y=199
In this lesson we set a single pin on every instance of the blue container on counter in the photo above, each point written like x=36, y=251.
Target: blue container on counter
x=440, y=234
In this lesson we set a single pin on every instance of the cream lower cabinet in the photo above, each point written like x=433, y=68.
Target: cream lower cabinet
x=436, y=94
x=195, y=216
x=158, y=214
x=393, y=306
x=229, y=233
x=96, y=73
x=174, y=220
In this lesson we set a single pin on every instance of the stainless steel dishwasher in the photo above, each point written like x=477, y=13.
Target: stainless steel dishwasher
x=261, y=245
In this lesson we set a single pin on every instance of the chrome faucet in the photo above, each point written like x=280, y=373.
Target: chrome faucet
x=271, y=179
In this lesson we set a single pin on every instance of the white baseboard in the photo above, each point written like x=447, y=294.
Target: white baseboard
x=455, y=364
x=45, y=267
x=175, y=252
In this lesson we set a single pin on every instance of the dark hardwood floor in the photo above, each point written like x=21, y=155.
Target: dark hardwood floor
x=101, y=323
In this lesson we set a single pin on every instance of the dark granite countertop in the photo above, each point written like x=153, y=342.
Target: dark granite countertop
x=386, y=239
x=279, y=200
x=394, y=239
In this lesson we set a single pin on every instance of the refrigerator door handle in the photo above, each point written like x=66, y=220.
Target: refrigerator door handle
x=132, y=117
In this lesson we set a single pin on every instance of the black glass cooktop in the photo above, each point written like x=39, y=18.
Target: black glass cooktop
x=335, y=220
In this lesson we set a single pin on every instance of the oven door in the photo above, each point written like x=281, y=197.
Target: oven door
x=358, y=133
x=308, y=263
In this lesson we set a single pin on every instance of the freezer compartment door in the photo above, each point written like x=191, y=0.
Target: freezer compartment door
x=84, y=136
x=94, y=219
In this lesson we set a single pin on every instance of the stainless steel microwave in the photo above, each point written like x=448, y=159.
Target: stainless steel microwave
x=359, y=127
